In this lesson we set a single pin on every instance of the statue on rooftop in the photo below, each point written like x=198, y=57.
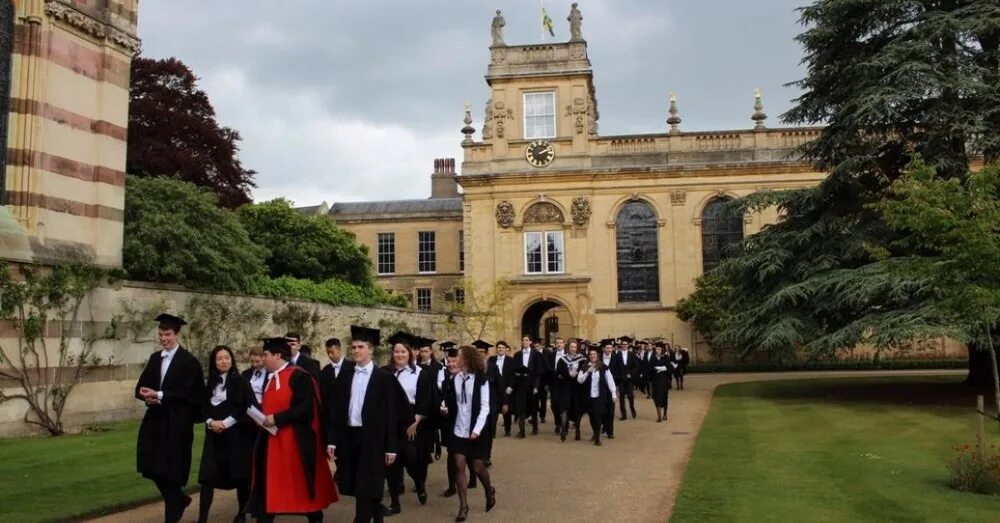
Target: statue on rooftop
x=575, y=34
x=496, y=30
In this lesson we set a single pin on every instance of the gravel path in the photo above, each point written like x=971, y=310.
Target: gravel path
x=634, y=477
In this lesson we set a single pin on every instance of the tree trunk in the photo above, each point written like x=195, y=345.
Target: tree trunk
x=980, y=373
x=996, y=376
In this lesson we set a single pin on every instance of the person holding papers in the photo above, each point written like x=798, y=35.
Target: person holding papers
x=662, y=368
x=290, y=471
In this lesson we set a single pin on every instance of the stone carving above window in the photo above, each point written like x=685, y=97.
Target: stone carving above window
x=505, y=214
x=580, y=211
x=543, y=212
x=678, y=198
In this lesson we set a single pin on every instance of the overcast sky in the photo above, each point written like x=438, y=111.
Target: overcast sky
x=346, y=100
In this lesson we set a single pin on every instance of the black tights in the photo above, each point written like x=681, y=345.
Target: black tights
x=478, y=467
x=207, y=494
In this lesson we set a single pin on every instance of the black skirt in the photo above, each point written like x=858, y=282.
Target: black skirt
x=478, y=448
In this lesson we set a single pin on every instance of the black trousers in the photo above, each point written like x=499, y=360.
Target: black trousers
x=507, y=422
x=542, y=400
x=413, y=462
x=609, y=420
x=626, y=390
x=597, y=418
x=366, y=509
x=174, y=500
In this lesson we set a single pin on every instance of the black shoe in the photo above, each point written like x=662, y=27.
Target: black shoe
x=597, y=442
x=488, y=463
x=491, y=498
x=633, y=414
x=463, y=512
x=394, y=508
x=506, y=433
x=240, y=518
x=542, y=420
x=558, y=430
x=577, y=435
x=520, y=435
x=623, y=418
x=449, y=493
x=422, y=497
x=562, y=437
x=611, y=436
x=534, y=430
x=386, y=511
x=472, y=483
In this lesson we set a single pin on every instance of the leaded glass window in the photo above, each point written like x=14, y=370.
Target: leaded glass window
x=721, y=232
x=6, y=57
x=638, y=261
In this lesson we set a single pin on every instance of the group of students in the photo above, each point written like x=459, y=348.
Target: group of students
x=272, y=430
x=577, y=377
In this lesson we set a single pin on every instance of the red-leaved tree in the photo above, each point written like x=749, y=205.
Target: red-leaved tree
x=172, y=131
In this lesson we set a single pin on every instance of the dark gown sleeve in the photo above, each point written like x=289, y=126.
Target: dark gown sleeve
x=187, y=386
x=392, y=409
x=300, y=411
x=147, y=378
x=425, y=394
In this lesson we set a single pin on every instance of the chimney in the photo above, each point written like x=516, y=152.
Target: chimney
x=443, y=181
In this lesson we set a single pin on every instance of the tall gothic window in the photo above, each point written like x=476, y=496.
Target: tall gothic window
x=6, y=52
x=638, y=267
x=720, y=232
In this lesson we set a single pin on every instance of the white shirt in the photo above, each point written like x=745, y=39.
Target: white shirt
x=337, y=365
x=500, y=363
x=408, y=379
x=624, y=354
x=166, y=356
x=257, y=383
x=440, y=376
x=525, y=356
x=463, y=417
x=595, y=383
x=359, y=385
x=607, y=361
x=218, y=396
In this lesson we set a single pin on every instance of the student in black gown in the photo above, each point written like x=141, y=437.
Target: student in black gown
x=611, y=363
x=496, y=400
x=599, y=391
x=682, y=359
x=300, y=358
x=501, y=367
x=445, y=384
x=528, y=370
x=417, y=397
x=545, y=379
x=627, y=370
x=566, y=391
x=467, y=404
x=661, y=369
x=172, y=386
x=256, y=377
x=363, y=435
x=228, y=447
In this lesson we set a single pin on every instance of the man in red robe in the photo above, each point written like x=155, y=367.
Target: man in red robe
x=291, y=473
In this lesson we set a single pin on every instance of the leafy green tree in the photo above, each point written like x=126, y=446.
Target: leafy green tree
x=308, y=247
x=951, y=230
x=889, y=79
x=177, y=233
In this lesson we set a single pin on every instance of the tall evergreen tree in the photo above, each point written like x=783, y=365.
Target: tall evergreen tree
x=889, y=79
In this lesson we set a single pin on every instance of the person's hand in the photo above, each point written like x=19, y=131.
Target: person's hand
x=390, y=459
x=504, y=409
x=269, y=420
x=411, y=431
x=331, y=452
x=444, y=410
x=509, y=390
x=152, y=401
x=473, y=436
x=146, y=392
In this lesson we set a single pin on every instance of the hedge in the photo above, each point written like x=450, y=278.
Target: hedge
x=332, y=292
x=888, y=364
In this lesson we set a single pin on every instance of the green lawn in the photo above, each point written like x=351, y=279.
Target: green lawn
x=46, y=479
x=869, y=449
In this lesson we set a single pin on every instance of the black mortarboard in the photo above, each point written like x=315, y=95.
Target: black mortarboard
x=278, y=345
x=169, y=321
x=451, y=352
x=660, y=344
x=594, y=348
x=607, y=341
x=424, y=342
x=370, y=335
x=404, y=338
x=626, y=339
x=446, y=344
x=480, y=344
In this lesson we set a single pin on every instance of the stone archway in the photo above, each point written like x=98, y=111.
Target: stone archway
x=544, y=319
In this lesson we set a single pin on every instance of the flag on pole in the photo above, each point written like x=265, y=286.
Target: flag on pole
x=547, y=23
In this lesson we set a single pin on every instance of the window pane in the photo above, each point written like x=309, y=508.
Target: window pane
x=554, y=251
x=386, y=253
x=426, y=256
x=461, y=251
x=424, y=299
x=721, y=233
x=638, y=264
x=539, y=115
x=533, y=252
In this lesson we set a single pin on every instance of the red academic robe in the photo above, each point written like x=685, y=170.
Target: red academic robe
x=286, y=477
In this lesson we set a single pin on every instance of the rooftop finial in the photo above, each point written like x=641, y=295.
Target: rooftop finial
x=575, y=18
x=758, y=111
x=673, y=120
x=468, y=129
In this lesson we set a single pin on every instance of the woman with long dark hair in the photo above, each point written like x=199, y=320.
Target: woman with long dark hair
x=468, y=408
x=417, y=392
x=567, y=391
x=226, y=455
x=661, y=368
x=598, y=389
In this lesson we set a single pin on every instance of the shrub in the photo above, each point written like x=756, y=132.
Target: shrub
x=899, y=364
x=332, y=291
x=975, y=471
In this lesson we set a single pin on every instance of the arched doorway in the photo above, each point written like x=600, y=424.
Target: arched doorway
x=544, y=319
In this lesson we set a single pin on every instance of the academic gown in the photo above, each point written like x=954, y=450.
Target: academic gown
x=363, y=475
x=163, y=446
x=525, y=380
x=659, y=381
x=309, y=365
x=327, y=380
x=291, y=474
x=226, y=456
x=567, y=392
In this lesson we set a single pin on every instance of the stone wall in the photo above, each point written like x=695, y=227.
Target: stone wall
x=106, y=394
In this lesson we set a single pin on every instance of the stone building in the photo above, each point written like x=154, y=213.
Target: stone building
x=598, y=235
x=64, y=77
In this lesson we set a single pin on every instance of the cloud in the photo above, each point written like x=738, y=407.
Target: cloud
x=353, y=99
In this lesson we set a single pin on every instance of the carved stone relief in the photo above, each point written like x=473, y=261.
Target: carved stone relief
x=678, y=198
x=505, y=214
x=543, y=212
x=580, y=211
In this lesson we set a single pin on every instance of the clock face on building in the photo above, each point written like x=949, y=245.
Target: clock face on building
x=539, y=153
